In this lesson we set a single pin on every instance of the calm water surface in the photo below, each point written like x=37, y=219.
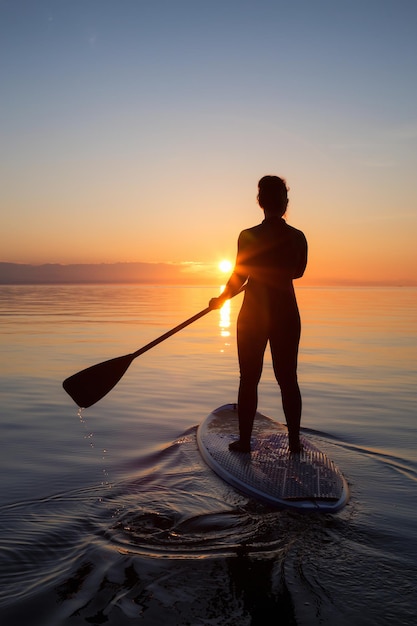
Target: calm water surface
x=110, y=516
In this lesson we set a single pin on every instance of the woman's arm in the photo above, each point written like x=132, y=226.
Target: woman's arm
x=236, y=280
x=301, y=256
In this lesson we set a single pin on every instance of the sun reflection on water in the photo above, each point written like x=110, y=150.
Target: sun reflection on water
x=224, y=321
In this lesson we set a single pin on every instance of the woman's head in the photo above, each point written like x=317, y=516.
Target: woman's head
x=273, y=195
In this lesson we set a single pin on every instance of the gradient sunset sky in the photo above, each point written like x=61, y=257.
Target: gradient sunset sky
x=136, y=130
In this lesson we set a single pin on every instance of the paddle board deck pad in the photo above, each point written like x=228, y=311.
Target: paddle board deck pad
x=308, y=481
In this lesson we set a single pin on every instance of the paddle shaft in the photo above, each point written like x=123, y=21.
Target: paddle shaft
x=169, y=333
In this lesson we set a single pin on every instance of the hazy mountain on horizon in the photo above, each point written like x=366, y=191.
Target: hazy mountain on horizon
x=55, y=273
x=140, y=272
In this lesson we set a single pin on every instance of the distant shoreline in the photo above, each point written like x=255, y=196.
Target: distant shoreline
x=105, y=273
x=182, y=274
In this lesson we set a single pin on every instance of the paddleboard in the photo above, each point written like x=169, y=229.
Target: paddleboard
x=308, y=481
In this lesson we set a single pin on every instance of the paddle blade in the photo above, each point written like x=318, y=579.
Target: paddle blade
x=90, y=385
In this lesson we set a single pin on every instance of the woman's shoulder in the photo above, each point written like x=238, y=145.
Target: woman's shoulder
x=295, y=232
x=250, y=233
x=268, y=227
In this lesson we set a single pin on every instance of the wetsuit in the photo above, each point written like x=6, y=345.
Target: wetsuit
x=270, y=255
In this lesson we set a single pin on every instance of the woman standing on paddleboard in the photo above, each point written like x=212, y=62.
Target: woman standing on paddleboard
x=270, y=255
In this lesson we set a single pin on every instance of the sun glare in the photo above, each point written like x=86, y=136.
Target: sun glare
x=225, y=266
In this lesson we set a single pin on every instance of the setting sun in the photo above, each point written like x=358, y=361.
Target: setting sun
x=225, y=266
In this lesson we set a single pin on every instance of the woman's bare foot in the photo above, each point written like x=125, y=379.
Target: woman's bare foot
x=238, y=446
x=294, y=444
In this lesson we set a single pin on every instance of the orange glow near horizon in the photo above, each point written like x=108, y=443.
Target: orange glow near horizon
x=346, y=249
x=380, y=251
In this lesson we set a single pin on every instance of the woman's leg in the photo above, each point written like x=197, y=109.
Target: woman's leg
x=284, y=343
x=251, y=341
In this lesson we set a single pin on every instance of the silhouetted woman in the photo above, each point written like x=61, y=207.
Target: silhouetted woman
x=270, y=255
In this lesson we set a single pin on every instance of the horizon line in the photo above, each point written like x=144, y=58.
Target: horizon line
x=195, y=273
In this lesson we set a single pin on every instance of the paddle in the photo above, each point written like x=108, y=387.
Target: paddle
x=90, y=385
